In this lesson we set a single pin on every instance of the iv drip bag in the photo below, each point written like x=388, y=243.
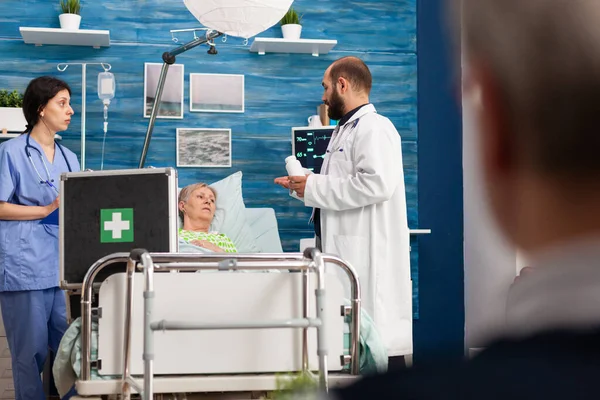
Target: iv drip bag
x=238, y=18
x=106, y=85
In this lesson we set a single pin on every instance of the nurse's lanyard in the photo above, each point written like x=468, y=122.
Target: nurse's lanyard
x=47, y=181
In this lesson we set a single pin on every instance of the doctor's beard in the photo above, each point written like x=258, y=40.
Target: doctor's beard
x=336, y=106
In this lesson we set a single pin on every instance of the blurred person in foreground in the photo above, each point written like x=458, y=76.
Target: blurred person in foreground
x=532, y=83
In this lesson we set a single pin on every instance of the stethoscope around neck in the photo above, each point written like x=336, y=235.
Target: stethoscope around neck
x=48, y=181
x=336, y=145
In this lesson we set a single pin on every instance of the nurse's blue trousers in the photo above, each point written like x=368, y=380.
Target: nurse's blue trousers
x=34, y=320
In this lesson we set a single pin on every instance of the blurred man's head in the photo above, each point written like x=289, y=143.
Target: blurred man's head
x=532, y=79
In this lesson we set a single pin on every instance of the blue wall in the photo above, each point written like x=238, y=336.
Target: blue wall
x=281, y=91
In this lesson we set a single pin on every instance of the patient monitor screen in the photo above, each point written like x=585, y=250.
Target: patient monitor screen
x=309, y=145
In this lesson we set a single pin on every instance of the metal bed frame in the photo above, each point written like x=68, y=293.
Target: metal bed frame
x=312, y=260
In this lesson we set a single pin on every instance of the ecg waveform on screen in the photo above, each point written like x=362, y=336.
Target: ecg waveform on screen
x=310, y=146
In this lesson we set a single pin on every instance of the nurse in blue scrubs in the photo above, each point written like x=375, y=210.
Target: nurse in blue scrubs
x=33, y=306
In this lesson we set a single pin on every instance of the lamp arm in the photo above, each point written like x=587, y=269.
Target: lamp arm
x=169, y=59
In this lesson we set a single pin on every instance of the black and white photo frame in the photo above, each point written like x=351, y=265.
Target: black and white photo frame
x=218, y=93
x=203, y=147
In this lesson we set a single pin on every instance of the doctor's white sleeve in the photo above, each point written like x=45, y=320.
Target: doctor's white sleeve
x=377, y=156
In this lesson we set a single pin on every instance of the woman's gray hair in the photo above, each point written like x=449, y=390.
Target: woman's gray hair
x=185, y=193
x=545, y=58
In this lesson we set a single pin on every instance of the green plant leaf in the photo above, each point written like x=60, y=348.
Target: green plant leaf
x=70, y=6
x=290, y=384
x=11, y=99
x=291, y=17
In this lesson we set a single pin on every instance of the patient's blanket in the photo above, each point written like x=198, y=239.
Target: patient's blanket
x=185, y=247
x=218, y=239
x=67, y=363
x=373, y=354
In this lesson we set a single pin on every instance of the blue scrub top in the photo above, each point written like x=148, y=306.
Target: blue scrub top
x=29, y=249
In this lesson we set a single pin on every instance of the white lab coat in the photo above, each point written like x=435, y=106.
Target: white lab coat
x=361, y=194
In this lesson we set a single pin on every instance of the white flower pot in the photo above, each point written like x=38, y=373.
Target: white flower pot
x=291, y=31
x=69, y=21
x=12, y=119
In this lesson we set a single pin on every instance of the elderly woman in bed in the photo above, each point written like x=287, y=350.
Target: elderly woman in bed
x=197, y=205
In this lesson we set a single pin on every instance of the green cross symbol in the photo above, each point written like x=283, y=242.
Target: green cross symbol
x=116, y=225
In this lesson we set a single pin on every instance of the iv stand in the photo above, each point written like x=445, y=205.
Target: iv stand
x=169, y=58
x=62, y=67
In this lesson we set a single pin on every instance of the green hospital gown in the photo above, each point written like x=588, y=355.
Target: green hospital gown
x=218, y=239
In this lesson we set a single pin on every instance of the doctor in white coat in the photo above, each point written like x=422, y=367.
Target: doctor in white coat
x=360, y=201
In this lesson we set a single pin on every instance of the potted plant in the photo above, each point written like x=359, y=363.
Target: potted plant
x=70, y=18
x=11, y=113
x=290, y=25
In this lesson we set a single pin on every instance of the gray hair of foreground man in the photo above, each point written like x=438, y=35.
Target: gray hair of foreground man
x=544, y=56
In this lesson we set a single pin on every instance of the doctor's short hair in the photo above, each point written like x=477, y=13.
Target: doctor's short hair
x=354, y=70
x=187, y=191
x=545, y=57
x=38, y=93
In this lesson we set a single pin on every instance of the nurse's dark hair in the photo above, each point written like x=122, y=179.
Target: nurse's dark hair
x=354, y=70
x=39, y=91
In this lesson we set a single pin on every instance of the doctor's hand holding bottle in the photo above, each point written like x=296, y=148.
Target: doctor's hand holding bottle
x=294, y=183
x=296, y=179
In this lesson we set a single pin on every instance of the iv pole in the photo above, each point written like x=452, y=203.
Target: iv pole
x=64, y=66
x=169, y=58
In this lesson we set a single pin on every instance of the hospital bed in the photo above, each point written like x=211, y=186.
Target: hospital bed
x=262, y=223
x=242, y=358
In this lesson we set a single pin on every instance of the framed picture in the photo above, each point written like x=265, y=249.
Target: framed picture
x=171, y=101
x=203, y=147
x=222, y=93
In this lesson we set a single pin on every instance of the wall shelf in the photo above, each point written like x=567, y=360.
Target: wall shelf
x=315, y=47
x=419, y=231
x=14, y=135
x=80, y=37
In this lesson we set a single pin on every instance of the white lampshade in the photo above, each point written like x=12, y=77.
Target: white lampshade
x=239, y=18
